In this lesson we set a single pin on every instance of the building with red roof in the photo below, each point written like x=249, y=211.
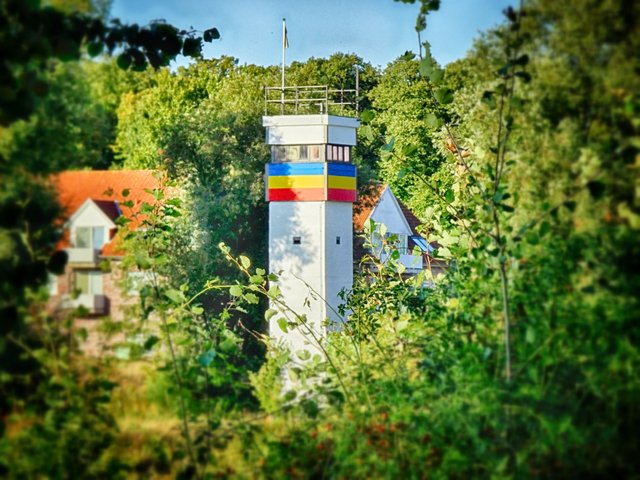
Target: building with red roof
x=92, y=202
x=380, y=205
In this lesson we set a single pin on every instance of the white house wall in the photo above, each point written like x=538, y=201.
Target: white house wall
x=389, y=213
x=90, y=215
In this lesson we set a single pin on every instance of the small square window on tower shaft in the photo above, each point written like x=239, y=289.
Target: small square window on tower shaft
x=337, y=240
x=297, y=240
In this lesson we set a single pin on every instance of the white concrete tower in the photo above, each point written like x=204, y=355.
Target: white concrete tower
x=311, y=187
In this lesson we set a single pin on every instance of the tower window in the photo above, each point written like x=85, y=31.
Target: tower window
x=297, y=240
x=337, y=240
x=338, y=153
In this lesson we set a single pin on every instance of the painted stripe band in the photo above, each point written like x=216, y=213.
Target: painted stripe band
x=297, y=181
x=296, y=194
x=347, y=183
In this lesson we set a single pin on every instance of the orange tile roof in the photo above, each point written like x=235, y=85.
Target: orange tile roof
x=105, y=187
x=368, y=198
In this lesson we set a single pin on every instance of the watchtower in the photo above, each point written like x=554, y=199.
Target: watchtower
x=310, y=187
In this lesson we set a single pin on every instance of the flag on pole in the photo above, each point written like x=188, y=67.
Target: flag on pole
x=286, y=38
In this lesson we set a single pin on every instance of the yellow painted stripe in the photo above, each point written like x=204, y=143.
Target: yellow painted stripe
x=297, y=181
x=346, y=183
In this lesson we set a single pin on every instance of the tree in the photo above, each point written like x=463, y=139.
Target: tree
x=35, y=360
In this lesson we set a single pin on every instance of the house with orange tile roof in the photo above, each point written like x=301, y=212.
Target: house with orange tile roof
x=92, y=202
x=380, y=205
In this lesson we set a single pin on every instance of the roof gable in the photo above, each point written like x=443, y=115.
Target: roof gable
x=389, y=213
x=101, y=209
x=379, y=202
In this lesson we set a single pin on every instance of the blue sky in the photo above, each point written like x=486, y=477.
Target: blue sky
x=376, y=30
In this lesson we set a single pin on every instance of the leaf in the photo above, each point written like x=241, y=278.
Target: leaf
x=274, y=292
x=207, y=358
x=409, y=150
x=95, y=48
x=488, y=99
x=310, y=408
x=437, y=75
x=303, y=355
x=176, y=296
x=256, y=279
x=282, y=323
x=367, y=132
x=252, y=298
x=227, y=345
x=532, y=237
x=261, y=271
x=192, y=47
x=426, y=67
x=245, y=262
x=150, y=342
x=596, y=189
x=367, y=116
x=521, y=60
x=444, y=96
x=449, y=196
x=506, y=208
x=433, y=121
x=544, y=228
x=211, y=34
x=124, y=61
x=401, y=325
x=268, y=315
x=197, y=310
x=146, y=208
x=530, y=335
x=235, y=291
x=387, y=147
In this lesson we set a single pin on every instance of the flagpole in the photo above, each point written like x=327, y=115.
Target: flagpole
x=284, y=45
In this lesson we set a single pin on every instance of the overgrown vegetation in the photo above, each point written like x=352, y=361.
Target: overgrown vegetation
x=521, y=361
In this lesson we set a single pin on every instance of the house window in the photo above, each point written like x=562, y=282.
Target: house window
x=89, y=237
x=89, y=282
x=421, y=243
x=337, y=240
x=297, y=240
x=52, y=284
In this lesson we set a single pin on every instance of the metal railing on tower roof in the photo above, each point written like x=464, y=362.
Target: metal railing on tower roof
x=310, y=99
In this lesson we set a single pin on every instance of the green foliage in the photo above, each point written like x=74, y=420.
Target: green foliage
x=33, y=35
x=520, y=361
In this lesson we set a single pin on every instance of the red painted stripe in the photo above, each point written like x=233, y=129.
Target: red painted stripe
x=341, y=195
x=296, y=194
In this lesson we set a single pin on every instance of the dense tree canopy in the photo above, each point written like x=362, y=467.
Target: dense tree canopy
x=520, y=159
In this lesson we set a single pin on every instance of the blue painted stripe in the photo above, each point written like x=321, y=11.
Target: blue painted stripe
x=295, y=169
x=342, y=170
